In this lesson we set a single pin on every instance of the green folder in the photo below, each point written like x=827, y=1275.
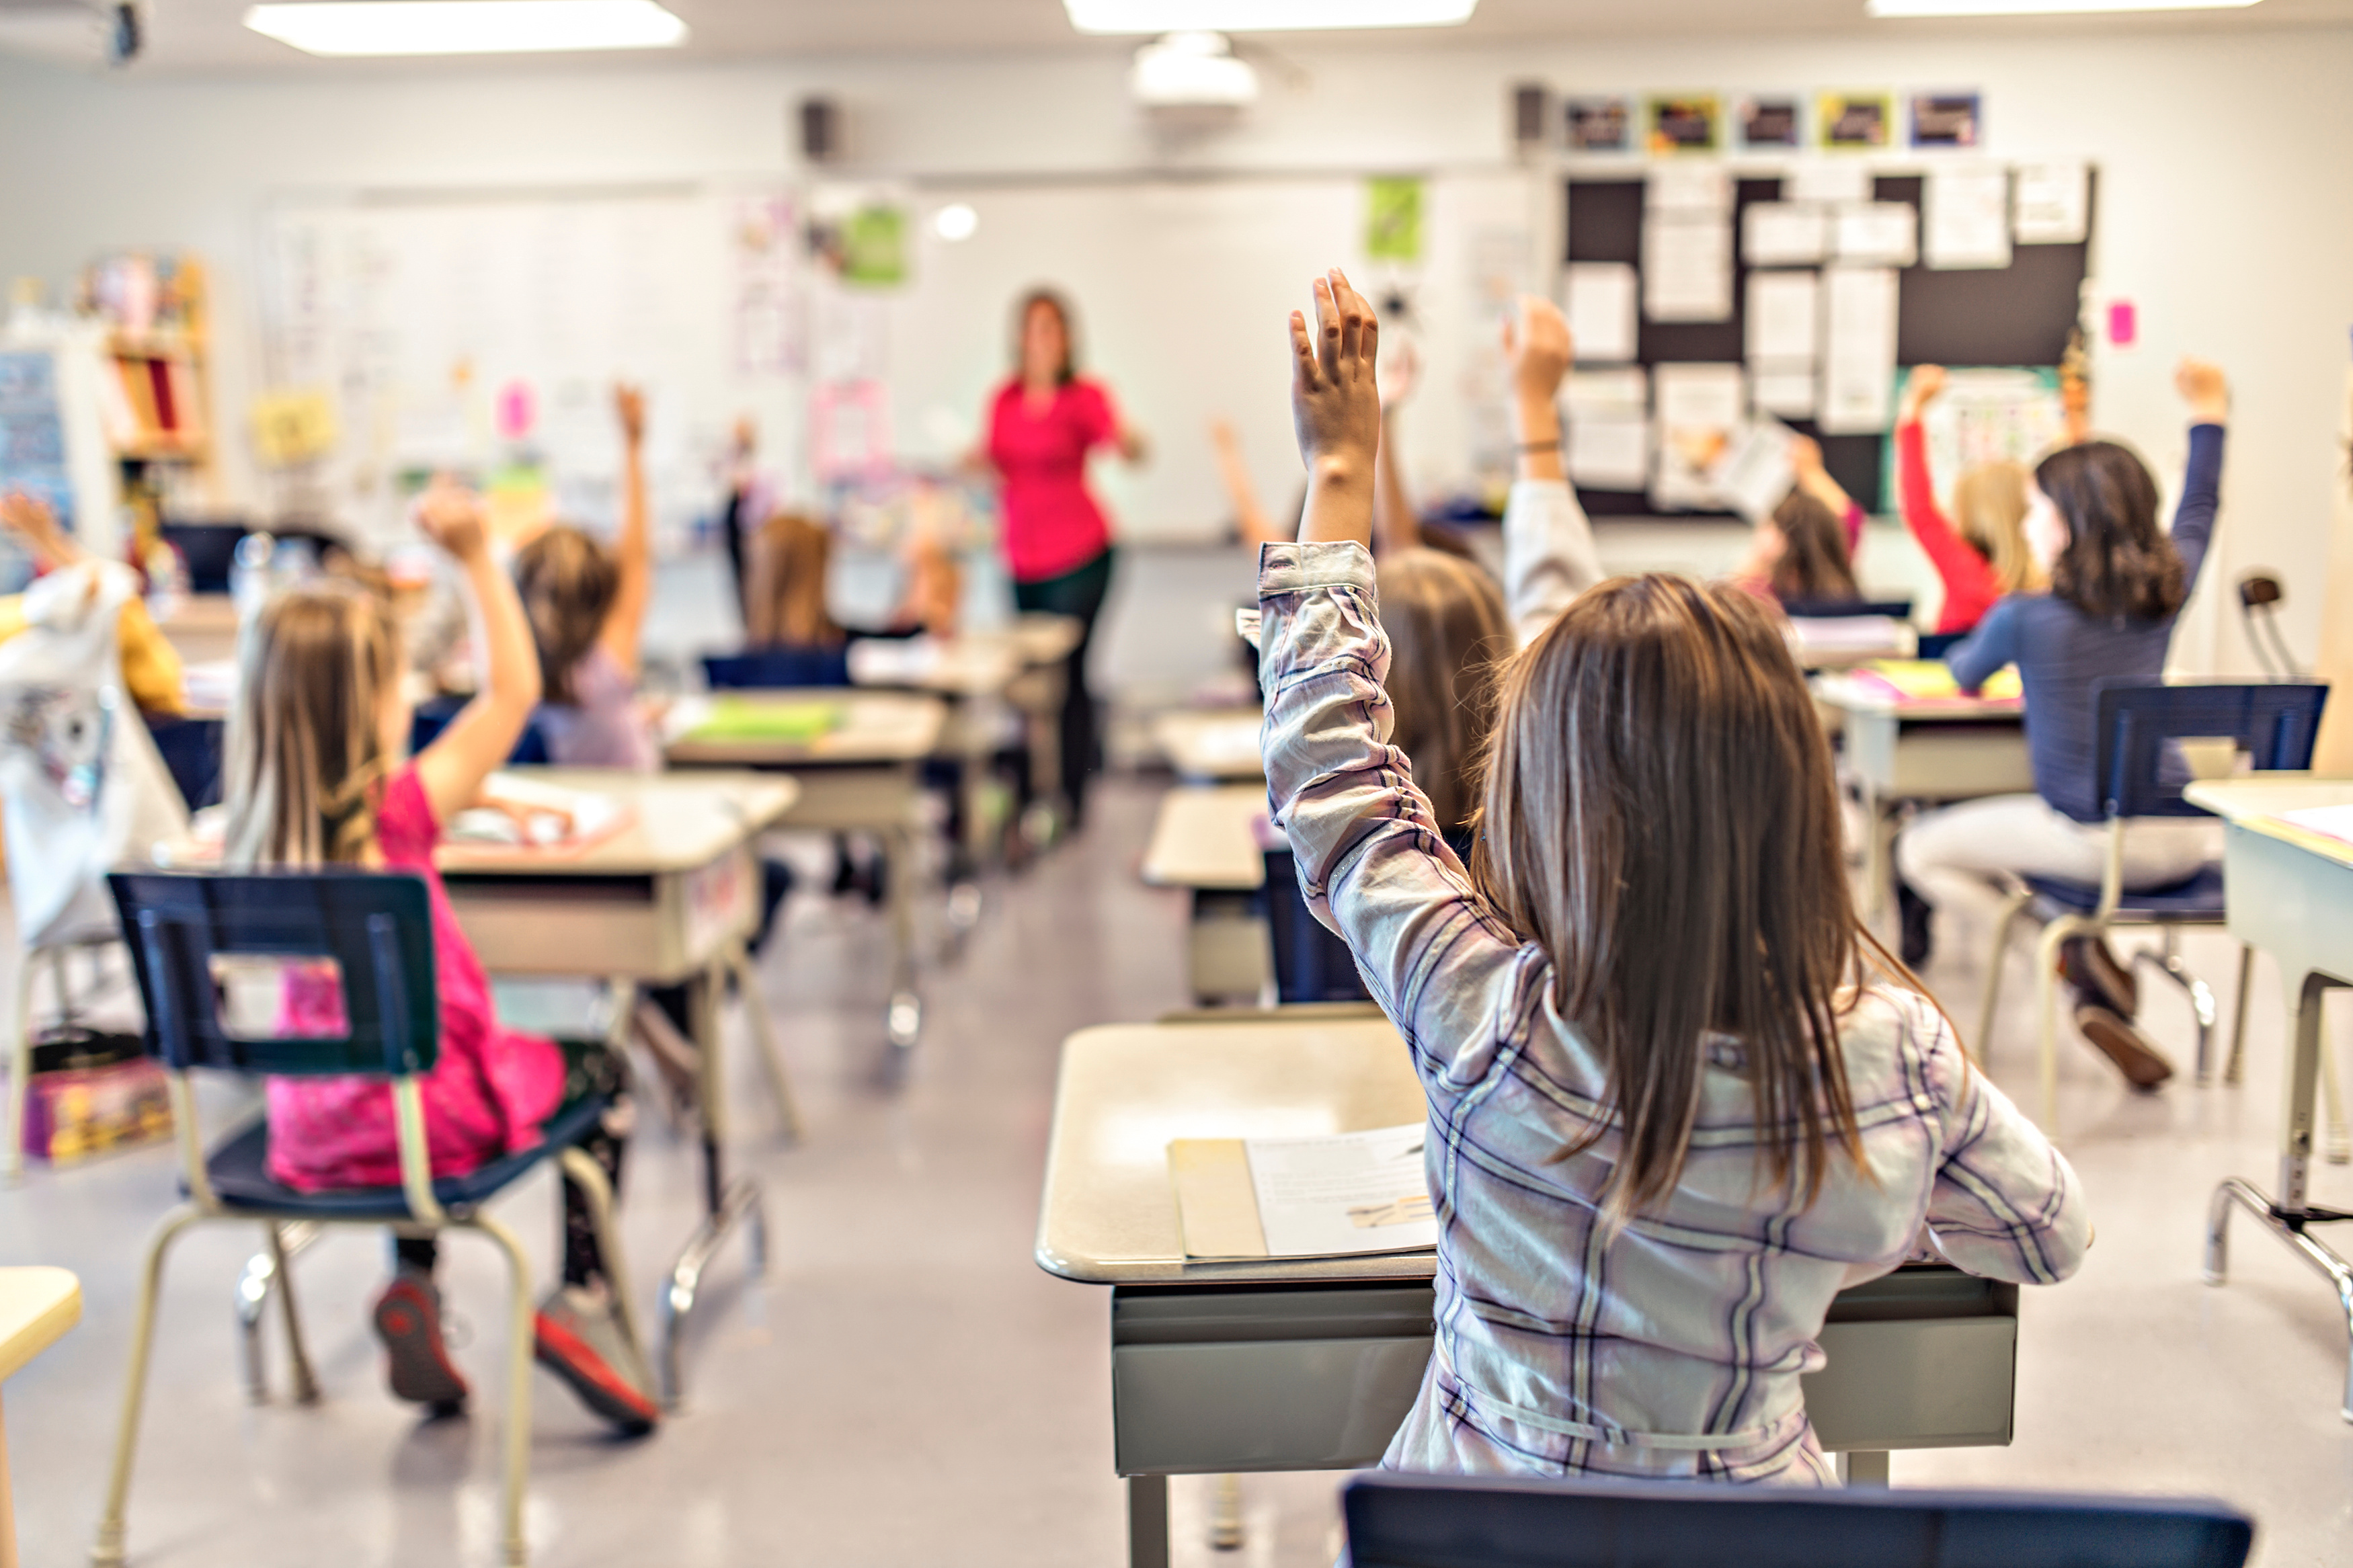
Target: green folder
x=749, y=718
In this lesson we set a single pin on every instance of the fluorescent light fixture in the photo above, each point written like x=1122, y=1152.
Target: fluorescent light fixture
x=1261, y=16
x=954, y=222
x=466, y=26
x=2040, y=8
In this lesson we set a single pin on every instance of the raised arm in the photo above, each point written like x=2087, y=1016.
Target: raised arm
x=1974, y=659
x=1251, y=519
x=1548, y=554
x=2208, y=391
x=1806, y=463
x=1336, y=410
x=625, y=622
x=482, y=735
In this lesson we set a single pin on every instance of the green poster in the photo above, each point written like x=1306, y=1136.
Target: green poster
x=874, y=248
x=1393, y=219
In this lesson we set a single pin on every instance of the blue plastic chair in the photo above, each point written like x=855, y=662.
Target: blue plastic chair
x=2143, y=767
x=1450, y=1522
x=1310, y=963
x=427, y=722
x=203, y=946
x=777, y=668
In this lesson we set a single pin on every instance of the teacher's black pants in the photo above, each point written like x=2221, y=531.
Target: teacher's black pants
x=1078, y=593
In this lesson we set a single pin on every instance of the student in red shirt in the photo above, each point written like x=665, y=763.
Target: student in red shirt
x=1986, y=556
x=1044, y=422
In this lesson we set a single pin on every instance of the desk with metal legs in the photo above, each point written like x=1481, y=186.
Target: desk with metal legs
x=1312, y=1363
x=863, y=776
x=1205, y=840
x=2291, y=894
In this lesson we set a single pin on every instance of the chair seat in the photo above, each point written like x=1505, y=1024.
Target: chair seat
x=239, y=1170
x=2198, y=898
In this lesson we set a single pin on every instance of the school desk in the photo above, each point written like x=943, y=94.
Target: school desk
x=2291, y=894
x=673, y=897
x=1937, y=750
x=1210, y=746
x=38, y=1305
x=202, y=627
x=1312, y=1363
x=864, y=775
x=1205, y=840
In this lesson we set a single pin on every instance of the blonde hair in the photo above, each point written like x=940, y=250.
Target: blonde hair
x=787, y=593
x=306, y=757
x=1990, y=515
x=568, y=583
x=1660, y=816
x=1448, y=632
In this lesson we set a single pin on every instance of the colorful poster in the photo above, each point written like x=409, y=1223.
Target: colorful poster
x=1683, y=122
x=32, y=434
x=1599, y=125
x=874, y=248
x=1393, y=219
x=1855, y=121
x=1770, y=122
x=1945, y=120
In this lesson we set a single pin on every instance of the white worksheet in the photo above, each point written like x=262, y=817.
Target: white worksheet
x=1700, y=187
x=1877, y=234
x=1687, y=266
x=1602, y=304
x=1353, y=1192
x=1783, y=234
x=1608, y=450
x=1619, y=390
x=1966, y=216
x=1699, y=408
x=1755, y=472
x=1824, y=180
x=1785, y=390
x=1780, y=319
x=1858, y=349
x=2054, y=202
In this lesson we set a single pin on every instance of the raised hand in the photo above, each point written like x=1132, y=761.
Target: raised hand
x=35, y=526
x=1925, y=384
x=451, y=517
x=1335, y=405
x=2205, y=388
x=629, y=405
x=1805, y=455
x=1539, y=347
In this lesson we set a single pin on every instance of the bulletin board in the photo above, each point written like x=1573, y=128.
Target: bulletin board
x=2008, y=316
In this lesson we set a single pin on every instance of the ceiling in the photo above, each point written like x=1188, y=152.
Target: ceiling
x=205, y=36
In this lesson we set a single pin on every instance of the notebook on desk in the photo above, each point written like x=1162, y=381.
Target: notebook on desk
x=1333, y=1196
x=1928, y=681
x=722, y=718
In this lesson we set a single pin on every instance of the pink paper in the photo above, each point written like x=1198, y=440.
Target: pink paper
x=517, y=410
x=2124, y=323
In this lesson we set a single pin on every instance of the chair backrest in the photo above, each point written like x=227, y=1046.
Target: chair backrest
x=771, y=669
x=427, y=720
x=2147, y=737
x=1433, y=1521
x=1846, y=609
x=221, y=965
x=1310, y=963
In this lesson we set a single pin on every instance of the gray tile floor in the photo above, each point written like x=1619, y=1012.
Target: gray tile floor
x=905, y=1387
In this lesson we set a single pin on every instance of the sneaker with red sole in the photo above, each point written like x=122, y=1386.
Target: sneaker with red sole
x=580, y=1339
x=417, y=1361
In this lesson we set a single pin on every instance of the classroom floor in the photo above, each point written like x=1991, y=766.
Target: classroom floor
x=906, y=1387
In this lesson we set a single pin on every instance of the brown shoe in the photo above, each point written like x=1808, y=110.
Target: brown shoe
x=2087, y=963
x=2143, y=1065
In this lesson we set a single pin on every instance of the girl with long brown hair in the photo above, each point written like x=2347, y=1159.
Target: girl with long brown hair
x=1677, y=1098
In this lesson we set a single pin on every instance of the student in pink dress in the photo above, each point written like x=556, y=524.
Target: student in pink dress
x=1044, y=422
x=317, y=777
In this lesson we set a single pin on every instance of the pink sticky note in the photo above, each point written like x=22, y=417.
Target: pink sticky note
x=2124, y=323
x=516, y=410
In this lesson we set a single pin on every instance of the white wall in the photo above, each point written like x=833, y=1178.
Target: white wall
x=2226, y=198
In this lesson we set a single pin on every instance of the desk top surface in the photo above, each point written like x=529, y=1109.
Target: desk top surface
x=875, y=727
x=1109, y=1215
x=1845, y=692
x=679, y=822
x=38, y=1305
x=2254, y=803
x=1212, y=743
x=976, y=664
x=1206, y=837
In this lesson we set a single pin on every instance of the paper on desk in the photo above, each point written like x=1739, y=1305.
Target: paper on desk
x=1858, y=349
x=536, y=813
x=1609, y=451
x=1782, y=317
x=1850, y=634
x=1216, y=1208
x=2329, y=821
x=1783, y=234
x=2054, y=202
x=1687, y=266
x=1350, y=1193
x=1931, y=681
x=1601, y=311
x=1821, y=180
x=1883, y=234
x=1967, y=215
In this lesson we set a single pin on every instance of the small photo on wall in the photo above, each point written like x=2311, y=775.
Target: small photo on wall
x=1599, y=125
x=1944, y=120
x=1683, y=122
x=1856, y=122
x=1769, y=122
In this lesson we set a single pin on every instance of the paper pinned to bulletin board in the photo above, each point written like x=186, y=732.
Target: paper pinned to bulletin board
x=2009, y=414
x=1393, y=219
x=32, y=433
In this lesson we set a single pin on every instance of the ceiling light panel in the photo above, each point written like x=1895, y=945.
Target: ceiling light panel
x=1261, y=16
x=1894, y=8
x=342, y=27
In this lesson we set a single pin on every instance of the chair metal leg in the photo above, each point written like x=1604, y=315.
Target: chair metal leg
x=764, y=1038
x=2294, y=1230
x=255, y=1285
x=583, y=1169
x=298, y=1358
x=20, y=1075
x=521, y=1313
x=742, y=1203
x=2046, y=979
x=2012, y=905
x=2167, y=962
x=2232, y=1069
x=107, y=1550
x=904, y=1016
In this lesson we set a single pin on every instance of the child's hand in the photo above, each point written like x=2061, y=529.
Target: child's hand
x=35, y=526
x=1925, y=384
x=1404, y=375
x=451, y=517
x=1805, y=457
x=1336, y=406
x=1539, y=348
x=629, y=405
x=2206, y=389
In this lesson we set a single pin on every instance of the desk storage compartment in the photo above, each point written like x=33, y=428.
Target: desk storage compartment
x=655, y=928
x=1944, y=759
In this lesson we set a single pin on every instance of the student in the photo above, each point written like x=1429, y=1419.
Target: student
x=1986, y=556
x=316, y=777
x=151, y=665
x=1803, y=554
x=2116, y=584
x=1675, y=1104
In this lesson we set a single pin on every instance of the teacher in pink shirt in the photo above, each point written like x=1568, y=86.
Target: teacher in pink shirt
x=1044, y=422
